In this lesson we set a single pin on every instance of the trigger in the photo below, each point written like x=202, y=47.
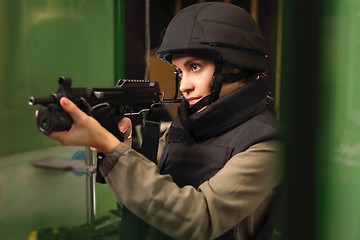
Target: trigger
x=85, y=106
x=101, y=107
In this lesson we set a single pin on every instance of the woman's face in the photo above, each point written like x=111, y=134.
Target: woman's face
x=196, y=75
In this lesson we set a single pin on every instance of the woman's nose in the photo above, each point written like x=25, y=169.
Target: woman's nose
x=186, y=84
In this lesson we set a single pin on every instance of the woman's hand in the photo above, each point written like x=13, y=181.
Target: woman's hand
x=85, y=131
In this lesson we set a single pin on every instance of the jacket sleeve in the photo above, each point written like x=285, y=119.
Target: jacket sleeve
x=188, y=213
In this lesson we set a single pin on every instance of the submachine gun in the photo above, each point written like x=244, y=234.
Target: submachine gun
x=108, y=105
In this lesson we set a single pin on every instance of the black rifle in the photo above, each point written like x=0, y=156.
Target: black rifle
x=108, y=105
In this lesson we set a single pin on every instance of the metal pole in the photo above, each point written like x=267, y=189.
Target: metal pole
x=119, y=41
x=147, y=38
x=90, y=187
x=254, y=9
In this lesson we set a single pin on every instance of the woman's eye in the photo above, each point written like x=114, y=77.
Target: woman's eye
x=195, y=67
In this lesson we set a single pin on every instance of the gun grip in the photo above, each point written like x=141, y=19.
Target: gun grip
x=109, y=120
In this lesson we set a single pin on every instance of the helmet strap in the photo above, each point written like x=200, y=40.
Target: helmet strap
x=216, y=82
x=215, y=89
x=200, y=104
x=216, y=85
x=177, y=81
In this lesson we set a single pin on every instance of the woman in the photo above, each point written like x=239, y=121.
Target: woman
x=219, y=161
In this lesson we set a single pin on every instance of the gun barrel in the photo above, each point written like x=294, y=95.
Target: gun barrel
x=41, y=100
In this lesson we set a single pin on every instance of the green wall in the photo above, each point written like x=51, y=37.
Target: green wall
x=41, y=40
x=320, y=112
x=320, y=107
x=339, y=132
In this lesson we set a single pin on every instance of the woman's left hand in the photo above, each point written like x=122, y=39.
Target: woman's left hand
x=85, y=131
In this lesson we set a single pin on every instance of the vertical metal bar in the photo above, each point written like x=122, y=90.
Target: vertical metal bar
x=90, y=187
x=278, y=57
x=147, y=38
x=254, y=9
x=119, y=39
x=178, y=6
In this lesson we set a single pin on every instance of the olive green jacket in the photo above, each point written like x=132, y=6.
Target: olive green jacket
x=235, y=198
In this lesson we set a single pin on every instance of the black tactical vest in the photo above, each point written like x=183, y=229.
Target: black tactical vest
x=192, y=164
x=199, y=146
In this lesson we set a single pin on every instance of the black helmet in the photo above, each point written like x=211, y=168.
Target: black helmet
x=223, y=31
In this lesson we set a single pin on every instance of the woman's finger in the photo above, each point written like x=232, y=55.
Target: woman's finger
x=125, y=127
x=75, y=113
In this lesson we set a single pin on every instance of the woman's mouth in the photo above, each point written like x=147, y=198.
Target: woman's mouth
x=192, y=101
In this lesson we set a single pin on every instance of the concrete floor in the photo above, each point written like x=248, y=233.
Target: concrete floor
x=35, y=198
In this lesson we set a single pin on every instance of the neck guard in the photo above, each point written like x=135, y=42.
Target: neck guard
x=225, y=114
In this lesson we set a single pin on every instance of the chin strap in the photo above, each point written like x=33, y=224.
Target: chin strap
x=216, y=82
x=177, y=82
x=215, y=89
x=200, y=104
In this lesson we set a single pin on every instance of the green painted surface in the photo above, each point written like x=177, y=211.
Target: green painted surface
x=33, y=198
x=320, y=106
x=339, y=133
x=41, y=40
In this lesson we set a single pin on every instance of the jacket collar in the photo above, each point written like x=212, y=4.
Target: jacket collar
x=224, y=114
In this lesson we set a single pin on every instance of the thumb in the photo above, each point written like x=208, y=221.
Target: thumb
x=69, y=107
